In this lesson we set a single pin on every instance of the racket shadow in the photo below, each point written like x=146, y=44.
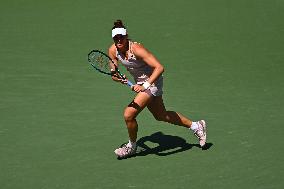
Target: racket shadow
x=165, y=145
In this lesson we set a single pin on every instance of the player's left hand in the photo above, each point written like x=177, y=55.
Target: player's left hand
x=138, y=88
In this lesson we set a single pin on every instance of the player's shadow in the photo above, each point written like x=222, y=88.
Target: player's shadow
x=164, y=145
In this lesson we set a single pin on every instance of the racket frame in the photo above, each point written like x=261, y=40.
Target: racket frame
x=129, y=83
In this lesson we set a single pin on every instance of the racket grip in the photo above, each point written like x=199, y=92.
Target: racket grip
x=129, y=83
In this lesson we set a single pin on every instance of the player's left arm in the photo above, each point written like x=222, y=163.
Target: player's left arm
x=141, y=52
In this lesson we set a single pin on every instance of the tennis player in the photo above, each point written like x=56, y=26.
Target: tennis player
x=147, y=73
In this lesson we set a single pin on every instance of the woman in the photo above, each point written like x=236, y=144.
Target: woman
x=147, y=72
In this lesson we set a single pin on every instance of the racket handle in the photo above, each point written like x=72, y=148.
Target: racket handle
x=129, y=83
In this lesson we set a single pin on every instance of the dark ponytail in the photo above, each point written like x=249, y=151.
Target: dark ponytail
x=118, y=24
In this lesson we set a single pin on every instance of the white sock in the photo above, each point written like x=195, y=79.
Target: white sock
x=131, y=144
x=194, y=126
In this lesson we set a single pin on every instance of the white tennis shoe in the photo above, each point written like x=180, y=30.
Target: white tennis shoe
x=200, y=133
x=125, y=151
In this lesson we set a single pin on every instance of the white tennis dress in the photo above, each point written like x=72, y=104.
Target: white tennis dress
x=140, y=71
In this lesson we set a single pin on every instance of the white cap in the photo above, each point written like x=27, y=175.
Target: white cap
x=118, y=31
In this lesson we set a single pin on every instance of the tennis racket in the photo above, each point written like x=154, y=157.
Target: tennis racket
x=101, y=62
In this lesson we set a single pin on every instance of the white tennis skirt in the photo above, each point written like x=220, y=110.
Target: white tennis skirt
x=156, y=89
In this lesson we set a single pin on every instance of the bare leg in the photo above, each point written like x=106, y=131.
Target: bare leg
x=157, y=108
x=132, y=110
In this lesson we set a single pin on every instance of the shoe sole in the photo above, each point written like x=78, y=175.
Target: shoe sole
x=203, y=123
x=117, y=153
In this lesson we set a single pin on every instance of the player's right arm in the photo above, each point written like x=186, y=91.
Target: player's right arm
x=112, y=55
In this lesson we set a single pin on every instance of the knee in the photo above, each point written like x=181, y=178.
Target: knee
x=160, y=117
x=129, y=115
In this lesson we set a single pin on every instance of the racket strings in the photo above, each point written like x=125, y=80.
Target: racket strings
x=99, y=61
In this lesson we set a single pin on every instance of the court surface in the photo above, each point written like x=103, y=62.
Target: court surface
x=60, y=120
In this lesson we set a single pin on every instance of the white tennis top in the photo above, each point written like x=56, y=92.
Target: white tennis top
x=137, y=67
x=140, y=71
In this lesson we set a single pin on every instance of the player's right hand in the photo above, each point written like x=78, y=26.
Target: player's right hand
x=123, y=80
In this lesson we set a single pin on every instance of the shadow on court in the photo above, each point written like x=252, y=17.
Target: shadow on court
x=164, y=145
